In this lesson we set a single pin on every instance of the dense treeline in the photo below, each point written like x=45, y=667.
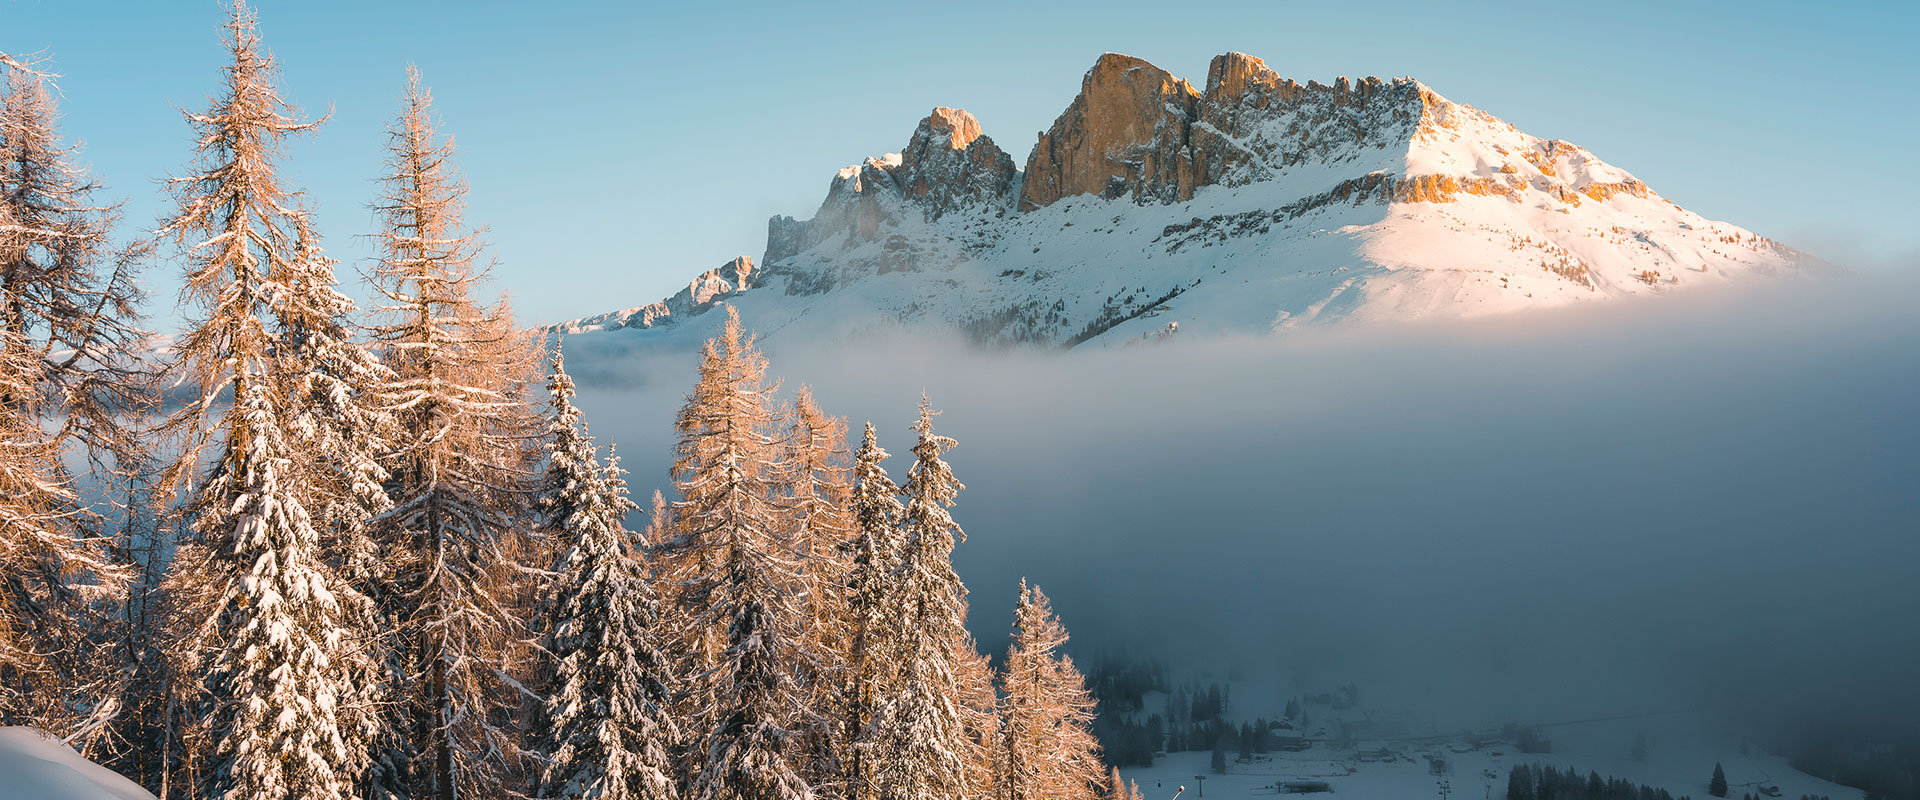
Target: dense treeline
x=1194, y=718
x=1533, y=782
x=1120, y=684
x=1887, y=767
x=367, y=556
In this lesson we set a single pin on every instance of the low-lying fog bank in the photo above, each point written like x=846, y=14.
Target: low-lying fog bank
x=1700, y=501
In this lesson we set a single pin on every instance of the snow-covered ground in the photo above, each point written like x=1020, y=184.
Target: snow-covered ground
x=34, y=766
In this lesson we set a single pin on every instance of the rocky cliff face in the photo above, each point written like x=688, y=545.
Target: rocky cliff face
x=1136, y=131
x=1255, y=124
x=1254, y=203
x=1124, y=135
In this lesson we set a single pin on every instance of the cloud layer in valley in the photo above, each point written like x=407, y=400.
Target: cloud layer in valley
x=1700, y=501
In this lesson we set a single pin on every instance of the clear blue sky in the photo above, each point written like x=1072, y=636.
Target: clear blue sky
x=614, y=149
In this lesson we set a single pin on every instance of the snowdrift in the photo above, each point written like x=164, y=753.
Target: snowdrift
x=35, y=766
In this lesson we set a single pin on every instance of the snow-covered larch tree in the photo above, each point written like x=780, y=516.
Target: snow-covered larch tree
x=737, y=584
x=50, y=572
x=980, y=716
x=456, y=481
x=919, y=746
x=723, y=469
x=68, y=381
x=65, y=289
x=820, y=526
x=609, y=733
x=265, y=617
x=1048, y=749
x=1119, y=788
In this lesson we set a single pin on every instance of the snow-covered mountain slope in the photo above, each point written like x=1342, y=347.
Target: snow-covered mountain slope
x=1256, y=204
x=35, y=767
x=701, y=293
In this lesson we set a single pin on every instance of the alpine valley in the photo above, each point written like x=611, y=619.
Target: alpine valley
x=1255, y=204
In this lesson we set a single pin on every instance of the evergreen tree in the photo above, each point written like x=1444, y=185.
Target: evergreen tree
x=1718, y=786
x=919, y=746
x=1520, y=783
x=872, y=638
x=1048, y=748
x=457, y=478
x=609, y=734
x=332, y=380
x=271, y=635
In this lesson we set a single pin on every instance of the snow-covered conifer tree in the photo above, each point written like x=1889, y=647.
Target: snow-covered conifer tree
x=980, y=717
x=737, y=584
x=49, y=572
x=752, y=752
x=919, y=746
x=66, y=291
x=457, y=480
x=266, y=621
x=609, y=732
x=724, y=471
x=331, y=381
x=1048, y=748
x=872, y=629
x=1119, y=788
x=67, y=377
x=820, y=526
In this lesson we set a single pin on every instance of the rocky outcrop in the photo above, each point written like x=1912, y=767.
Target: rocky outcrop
x=1124, y=135
x=1254, y=124
x=1137, y=131
x=948, y=165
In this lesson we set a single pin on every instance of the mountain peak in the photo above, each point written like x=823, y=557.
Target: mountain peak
x=954, y=125
x=947, y=165
x=1231, y=72
x=1256, y=203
